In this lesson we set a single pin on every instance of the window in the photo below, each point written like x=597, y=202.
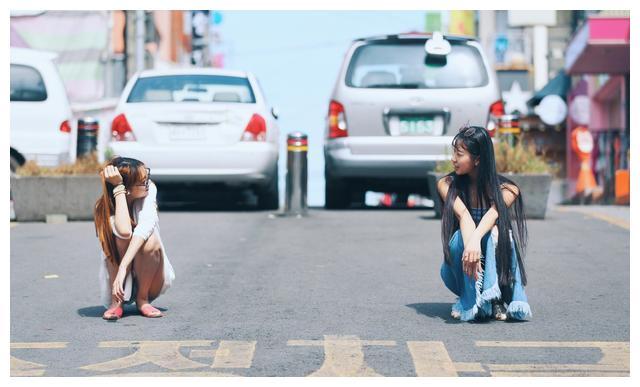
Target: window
x=406, y=66
x=192, y=88
x=27, y=84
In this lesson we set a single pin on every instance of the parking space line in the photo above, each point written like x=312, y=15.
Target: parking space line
x=430, y=358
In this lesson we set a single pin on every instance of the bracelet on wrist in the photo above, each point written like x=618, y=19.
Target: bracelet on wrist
x=118, y=189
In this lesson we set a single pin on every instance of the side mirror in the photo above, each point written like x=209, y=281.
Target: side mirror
x=275, y=113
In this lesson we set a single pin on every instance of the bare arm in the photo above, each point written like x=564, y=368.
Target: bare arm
x=509, y=195
x=467, y=225
x=122, y=221
x=132, y=250
x=122, y=224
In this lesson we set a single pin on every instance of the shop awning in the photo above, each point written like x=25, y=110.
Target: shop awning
x=600, y=46
x=559, y=85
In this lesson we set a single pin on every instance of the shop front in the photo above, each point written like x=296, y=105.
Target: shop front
x=598, y=125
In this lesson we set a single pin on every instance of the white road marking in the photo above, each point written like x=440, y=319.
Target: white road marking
x=165, y=354
x=614, y=361
x=21, y=367
x=430, y=358
x=343, y=355
x=234, y=354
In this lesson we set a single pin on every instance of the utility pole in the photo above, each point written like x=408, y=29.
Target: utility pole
x=140, y=40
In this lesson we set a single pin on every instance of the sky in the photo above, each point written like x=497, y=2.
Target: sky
x=296, y=56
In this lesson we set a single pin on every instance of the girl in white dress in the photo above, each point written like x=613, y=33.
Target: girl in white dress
x=133, y=263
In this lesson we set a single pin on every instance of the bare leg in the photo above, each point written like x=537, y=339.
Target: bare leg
x=148, y=267
x=122, y=245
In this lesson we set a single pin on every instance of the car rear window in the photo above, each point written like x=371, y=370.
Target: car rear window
x=27, y=84
x=405, y=66
x=192, y=88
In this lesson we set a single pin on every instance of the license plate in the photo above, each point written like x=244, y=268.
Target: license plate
x=416, y=126
x=186, y=133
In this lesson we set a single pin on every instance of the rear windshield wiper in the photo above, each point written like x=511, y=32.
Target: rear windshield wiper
x=396, y=86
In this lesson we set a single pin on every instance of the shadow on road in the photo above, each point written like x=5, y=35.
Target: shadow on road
x=98, y=310
x=441, y=310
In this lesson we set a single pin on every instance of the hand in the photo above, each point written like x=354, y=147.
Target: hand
x=117, y=289
x=112, y=175
x=471, y=265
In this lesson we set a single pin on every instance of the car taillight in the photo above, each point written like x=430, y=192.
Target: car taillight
x=337, y=122
x=121, y=130
x=496, y=110
x=65, y=126
x=256, y=129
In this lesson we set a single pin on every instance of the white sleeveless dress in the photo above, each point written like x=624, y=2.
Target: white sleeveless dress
x=145, y=213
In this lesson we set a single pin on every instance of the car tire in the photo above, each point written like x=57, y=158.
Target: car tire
x=337, y=194
x=268, y=197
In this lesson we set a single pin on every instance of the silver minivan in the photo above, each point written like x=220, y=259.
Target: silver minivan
x=397, y=103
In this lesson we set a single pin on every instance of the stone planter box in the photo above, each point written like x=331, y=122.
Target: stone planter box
x=34, y=197
x=534, y=187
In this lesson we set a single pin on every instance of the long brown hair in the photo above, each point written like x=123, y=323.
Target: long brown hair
x=132, y=172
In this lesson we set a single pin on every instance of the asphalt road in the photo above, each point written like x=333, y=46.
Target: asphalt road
x=339, y=293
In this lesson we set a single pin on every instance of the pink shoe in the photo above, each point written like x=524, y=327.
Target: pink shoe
x=113, y=314
x=149, y=311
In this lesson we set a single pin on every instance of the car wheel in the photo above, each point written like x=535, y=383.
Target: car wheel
x=337, y=194
x=268, y=198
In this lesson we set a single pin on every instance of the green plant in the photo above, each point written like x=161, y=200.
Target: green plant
x=108, y=153
x=520, y=158
x=85, y=165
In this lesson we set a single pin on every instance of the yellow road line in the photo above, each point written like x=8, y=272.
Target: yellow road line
x=41, y=345
x=173, y=374
x=468, y=367
x=343, y=355
x=165, y=354
x=431, y=358
x=553, y=344
x=234, y=354
x=21, y=367
x=609, y=219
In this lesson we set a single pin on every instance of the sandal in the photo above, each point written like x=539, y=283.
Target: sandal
x=147, y=310
x=113, y=314
x=499, y=312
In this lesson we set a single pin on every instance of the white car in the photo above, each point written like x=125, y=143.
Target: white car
x=200, y=125
x=42, y=128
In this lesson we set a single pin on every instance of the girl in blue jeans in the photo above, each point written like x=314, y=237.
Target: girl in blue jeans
x=484, y=233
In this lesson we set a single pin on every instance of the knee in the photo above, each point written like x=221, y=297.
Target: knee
x=152, y=247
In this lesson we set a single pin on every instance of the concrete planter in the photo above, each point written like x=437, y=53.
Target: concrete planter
x=534, y=187
x=37, y=196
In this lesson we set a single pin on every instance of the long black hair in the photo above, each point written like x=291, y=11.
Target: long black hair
x=489, y=185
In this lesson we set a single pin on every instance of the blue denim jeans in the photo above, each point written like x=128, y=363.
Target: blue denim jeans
x=475, y=296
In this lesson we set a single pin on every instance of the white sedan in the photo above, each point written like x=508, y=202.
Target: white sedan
x=200, y=125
